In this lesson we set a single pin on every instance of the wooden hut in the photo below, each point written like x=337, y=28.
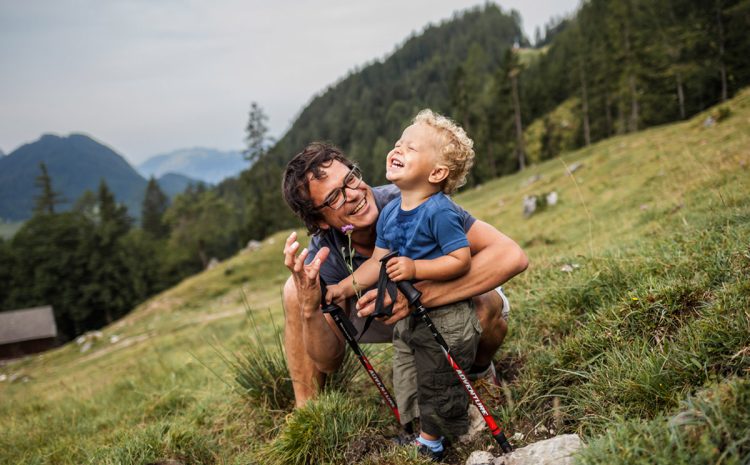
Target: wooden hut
x=27, y=331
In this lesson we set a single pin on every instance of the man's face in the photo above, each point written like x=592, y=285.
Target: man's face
x=359, y=209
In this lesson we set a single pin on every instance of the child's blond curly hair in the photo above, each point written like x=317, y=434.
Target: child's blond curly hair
x=455, y=149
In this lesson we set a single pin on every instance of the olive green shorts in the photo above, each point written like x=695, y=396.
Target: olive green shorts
x=438, y=398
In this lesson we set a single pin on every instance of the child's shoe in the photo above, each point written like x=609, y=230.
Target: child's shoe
x=428, y=448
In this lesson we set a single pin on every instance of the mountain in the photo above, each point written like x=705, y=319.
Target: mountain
x=75, y=163
x=208, y=165
x=173, y=184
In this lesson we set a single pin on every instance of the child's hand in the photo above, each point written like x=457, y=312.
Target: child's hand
x=335, y=294
x=401, y=269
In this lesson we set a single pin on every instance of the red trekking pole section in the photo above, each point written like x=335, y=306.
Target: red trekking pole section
x=496, y=431
x=349, y=332
x=412, y=296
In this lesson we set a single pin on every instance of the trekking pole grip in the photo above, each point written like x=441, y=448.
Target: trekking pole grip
x=410, y=292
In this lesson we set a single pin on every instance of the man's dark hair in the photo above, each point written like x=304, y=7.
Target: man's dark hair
x=295, y=185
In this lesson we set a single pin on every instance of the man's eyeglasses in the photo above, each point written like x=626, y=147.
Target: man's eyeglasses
x=337, y=198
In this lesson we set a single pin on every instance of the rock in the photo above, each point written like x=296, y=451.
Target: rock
x=529, y=205
x=480, y=457
x=575, y=167
x=3, y=377
x=558, y=450
x=113, y=339
x=541, y=429
x=709, y=122
x=552, y=198
x=213, y=263
x=252, y=245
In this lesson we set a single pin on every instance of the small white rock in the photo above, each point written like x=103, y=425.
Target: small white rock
x=558, y=450
x=480, y=457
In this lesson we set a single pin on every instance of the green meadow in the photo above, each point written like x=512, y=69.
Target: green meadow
x=631, y=327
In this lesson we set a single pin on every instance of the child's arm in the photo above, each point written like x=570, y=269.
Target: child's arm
x=365, y=276
x=450, y=266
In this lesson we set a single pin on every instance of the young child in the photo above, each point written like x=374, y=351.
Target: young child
x=429, y=161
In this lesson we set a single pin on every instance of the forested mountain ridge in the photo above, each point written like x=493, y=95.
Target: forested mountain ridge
x=76, y=163
x=365, y=112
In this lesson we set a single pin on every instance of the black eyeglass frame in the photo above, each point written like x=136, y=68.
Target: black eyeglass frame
x=352, y=180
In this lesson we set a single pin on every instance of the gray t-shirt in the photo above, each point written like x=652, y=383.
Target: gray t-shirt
x=334, y=269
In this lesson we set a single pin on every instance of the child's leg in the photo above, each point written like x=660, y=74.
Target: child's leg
x=442, y=399
x=404, y=375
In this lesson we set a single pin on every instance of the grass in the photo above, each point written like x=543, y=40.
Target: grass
x=642, y=346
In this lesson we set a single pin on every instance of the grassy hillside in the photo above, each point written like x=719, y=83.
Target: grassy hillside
x=642, y=346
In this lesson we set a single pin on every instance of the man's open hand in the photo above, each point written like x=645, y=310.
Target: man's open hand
x=305, y=276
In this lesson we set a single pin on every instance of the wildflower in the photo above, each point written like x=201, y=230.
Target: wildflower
x=349, y=258
x=634, y=298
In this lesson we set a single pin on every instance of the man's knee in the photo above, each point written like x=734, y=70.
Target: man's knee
x=489, y=308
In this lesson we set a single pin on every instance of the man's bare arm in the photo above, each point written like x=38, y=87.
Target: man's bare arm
x=496, y=258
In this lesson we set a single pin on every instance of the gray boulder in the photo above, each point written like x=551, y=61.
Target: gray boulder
x=558, y=450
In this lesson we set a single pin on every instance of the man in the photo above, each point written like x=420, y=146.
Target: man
x=327, y=192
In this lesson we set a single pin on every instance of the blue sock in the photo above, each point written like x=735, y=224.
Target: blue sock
x=434, y=446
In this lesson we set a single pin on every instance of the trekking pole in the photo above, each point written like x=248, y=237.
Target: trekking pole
x=412, y=296
x=349, y=331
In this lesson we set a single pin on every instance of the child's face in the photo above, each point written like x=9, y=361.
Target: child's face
x=413, y=158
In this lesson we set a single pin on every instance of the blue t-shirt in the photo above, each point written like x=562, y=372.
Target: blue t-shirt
x=431, y=230
x=334, y=269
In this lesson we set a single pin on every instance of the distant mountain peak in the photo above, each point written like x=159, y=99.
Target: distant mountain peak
x=199, y=163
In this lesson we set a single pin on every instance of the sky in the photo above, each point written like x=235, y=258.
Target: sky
x=147, y=77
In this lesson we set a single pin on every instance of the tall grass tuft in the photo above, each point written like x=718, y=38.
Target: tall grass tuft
x=261, y=373
x=320, y=431
x=260, y=369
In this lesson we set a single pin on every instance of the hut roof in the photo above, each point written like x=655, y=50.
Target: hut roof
x=27, y=324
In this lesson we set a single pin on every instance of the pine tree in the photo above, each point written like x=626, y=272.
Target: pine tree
x=46, y=201
x=259, y=180
x=155, y=204
x=108, y=288
x=256, y=136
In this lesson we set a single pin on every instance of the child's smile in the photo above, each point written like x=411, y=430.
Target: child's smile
x=413, y=158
